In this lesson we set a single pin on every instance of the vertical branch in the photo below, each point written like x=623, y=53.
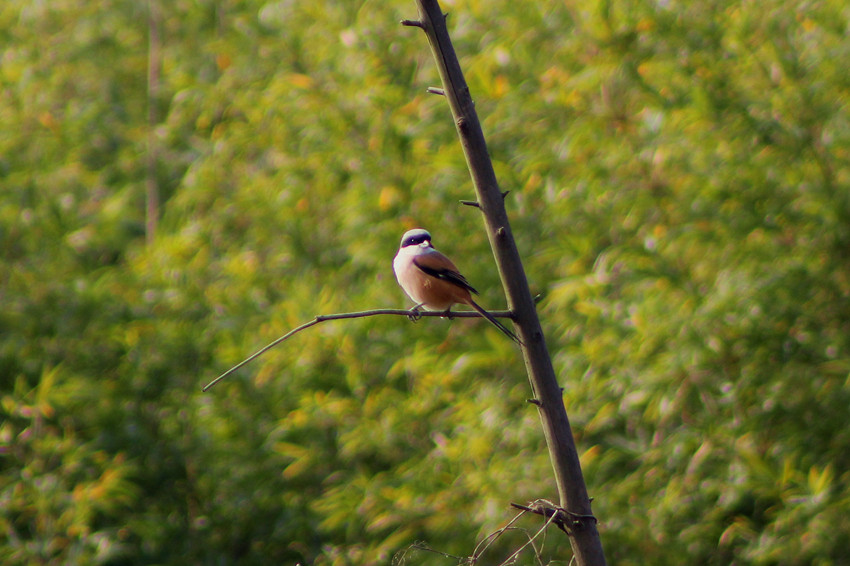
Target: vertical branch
x=574, y=501
x=152, y=153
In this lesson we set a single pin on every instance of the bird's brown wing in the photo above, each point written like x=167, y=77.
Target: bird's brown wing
x=440, y=267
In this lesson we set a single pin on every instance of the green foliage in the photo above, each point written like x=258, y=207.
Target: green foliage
x=679, y=188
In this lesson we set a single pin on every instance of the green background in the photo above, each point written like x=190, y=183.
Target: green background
x=680, y=194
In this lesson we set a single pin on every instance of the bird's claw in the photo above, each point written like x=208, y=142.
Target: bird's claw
x=413, y=314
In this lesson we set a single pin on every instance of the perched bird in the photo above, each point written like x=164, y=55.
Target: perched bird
x=432, y=280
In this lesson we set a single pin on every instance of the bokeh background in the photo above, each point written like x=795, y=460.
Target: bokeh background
x=680, y=193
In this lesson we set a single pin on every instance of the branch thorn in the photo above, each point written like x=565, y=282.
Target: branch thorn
x=534, y=402
x=470, y=203
x=435, y=90
x=413, y=24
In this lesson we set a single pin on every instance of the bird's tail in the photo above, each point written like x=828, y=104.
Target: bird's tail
x=495, y=322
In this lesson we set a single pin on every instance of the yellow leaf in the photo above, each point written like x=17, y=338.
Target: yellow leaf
x=300, y=80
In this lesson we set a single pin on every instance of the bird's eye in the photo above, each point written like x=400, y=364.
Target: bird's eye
x=415, y=240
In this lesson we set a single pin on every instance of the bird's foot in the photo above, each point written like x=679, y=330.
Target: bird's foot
x=449, y=314
x=413, y=314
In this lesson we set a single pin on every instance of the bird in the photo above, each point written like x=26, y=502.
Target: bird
x=432, y=281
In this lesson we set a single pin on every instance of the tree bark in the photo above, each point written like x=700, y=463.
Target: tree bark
x=574, y=501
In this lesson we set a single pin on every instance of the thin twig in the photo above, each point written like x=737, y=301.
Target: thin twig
x=494, y=536
x=424, y=546
x=401, y=558
x=345, y=315
x=530, y=541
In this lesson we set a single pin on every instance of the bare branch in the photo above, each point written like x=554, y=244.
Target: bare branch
x=565, y=519
x=572, y=491
x=346, y=315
